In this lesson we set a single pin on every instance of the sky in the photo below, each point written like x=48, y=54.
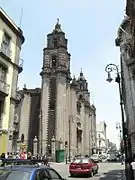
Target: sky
x=91, y=28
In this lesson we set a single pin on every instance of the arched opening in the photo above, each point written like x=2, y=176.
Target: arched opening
x=53, y=61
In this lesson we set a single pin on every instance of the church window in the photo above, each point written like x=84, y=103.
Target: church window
x=80, y=97
x=55, y=42
x=53, y=61
x=81, y=87
x=78, y=107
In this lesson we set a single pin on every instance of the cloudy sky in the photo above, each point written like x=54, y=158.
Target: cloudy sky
x=91, y=27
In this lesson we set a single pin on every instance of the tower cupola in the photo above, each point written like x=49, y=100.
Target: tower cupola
x=56, y=39
x=74, y=82
x=82, y=82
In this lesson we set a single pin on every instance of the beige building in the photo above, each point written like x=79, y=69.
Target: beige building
x=61, y=109
x=101, y=137
x=11, y=39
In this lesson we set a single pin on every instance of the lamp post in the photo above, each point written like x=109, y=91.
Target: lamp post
x=41, y=132
x=18, y=144
x=35, y=141
x=110, y=68
x=53, y=147
x=99, y=143
x=118, y=127
x=69, y=124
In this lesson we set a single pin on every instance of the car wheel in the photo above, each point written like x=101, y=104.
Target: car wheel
x=71, y=175
x=96, y=172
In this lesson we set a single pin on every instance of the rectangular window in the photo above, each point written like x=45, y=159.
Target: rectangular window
x=6, y=40
x=5, y=47
x=3, y=74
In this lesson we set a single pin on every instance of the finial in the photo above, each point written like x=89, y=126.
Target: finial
x=57, y=20
x=81, y=70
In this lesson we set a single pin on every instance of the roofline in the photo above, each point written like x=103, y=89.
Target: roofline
x=9, y=22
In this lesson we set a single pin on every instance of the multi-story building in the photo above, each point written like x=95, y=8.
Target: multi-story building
x=101, y=137
x=11, y=39
x=61, y=109
x=125, y=41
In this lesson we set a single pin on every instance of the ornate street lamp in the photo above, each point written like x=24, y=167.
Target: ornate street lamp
x=35, y=141
x=110, y=68
x=70, y=120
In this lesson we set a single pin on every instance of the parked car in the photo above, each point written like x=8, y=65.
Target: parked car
x=96, y=158
x=27, y=170
x=111, y=157
x=83, y=166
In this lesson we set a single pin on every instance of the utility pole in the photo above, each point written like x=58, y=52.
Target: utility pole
x=69, y=126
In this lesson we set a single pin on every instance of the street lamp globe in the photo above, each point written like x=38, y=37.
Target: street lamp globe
x=109, y=78
x=35, y=140
x=19, y=140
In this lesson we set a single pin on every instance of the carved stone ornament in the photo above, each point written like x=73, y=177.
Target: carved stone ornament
x=126, y=36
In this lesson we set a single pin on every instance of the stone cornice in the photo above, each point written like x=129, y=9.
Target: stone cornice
x=124, y=25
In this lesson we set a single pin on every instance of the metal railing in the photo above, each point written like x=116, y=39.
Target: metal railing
x=5, y=50
x=4, y=87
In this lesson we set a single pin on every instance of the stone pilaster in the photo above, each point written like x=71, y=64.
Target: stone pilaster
x=60, y=108
x=43, y=132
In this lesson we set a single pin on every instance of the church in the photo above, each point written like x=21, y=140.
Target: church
x=60, y=110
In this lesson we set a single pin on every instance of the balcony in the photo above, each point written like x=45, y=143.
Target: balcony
x=5, y=52
x=4, y=88
x=21, y=61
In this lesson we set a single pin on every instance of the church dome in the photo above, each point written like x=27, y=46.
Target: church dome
x=74, y=82
x=81, y=77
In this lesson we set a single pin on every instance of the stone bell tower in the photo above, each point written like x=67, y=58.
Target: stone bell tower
x=55, y=77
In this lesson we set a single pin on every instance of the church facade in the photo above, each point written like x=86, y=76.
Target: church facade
x=61, y=108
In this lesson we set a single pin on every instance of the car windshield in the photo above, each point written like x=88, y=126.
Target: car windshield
x=13, y=175
x=82, y=160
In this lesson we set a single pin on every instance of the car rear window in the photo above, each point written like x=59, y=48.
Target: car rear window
x=94, y=155
x=81, y=160
x=13, y=175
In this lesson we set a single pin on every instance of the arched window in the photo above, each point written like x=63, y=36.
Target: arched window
x=53, y=61
x=80, y=97
x=55, y=41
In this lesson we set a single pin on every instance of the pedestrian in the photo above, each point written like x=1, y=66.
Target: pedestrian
x=29, y=156
x=2, y=156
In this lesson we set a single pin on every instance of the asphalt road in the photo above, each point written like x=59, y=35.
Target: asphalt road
x=107, y=171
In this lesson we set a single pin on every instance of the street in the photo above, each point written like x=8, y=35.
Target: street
x=107, y=171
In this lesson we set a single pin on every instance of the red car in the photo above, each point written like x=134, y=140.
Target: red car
x=83, y=166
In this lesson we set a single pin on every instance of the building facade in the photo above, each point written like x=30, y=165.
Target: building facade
x=101, y=137
x=11, y=39
x=125, y=41
x=64, y=112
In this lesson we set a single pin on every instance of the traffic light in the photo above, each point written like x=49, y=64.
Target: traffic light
x=66, y=143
